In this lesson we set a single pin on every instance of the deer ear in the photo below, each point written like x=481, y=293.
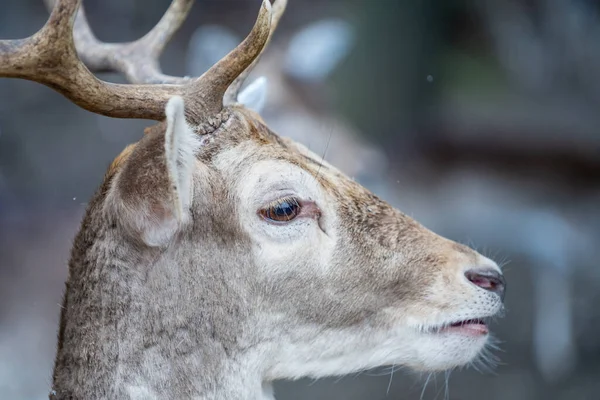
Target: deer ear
x=152, y=194
x=254, y=95
x=181, y=146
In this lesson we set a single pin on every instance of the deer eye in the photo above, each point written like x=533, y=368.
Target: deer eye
x=281, y=210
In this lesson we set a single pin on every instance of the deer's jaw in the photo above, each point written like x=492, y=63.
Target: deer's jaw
x=358, y=332
x=346, y=351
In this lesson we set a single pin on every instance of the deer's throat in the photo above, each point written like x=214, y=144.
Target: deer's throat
x=117, y=340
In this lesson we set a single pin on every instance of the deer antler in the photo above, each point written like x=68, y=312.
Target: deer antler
x=50, y=57
x=234, y=88
x=138, y=60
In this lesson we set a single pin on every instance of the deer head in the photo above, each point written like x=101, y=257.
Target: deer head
x=217, y=256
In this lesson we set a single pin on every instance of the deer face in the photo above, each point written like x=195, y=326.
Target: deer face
x=346, y=281
x=213, y=242
x=347, y=264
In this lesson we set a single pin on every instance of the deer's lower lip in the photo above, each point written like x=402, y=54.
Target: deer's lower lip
x=472, y=327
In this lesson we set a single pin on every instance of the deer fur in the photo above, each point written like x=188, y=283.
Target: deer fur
x=178, y=289
x=182, y=286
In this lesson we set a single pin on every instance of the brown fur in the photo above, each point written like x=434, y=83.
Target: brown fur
x=208, y=301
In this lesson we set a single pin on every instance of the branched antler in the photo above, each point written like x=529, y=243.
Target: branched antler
x=50, y=57
x=138, y=60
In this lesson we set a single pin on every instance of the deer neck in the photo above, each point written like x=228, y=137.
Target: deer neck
x=138, y=325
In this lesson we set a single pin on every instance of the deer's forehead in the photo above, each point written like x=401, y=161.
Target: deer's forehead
x=266, y=158
x=262, y=164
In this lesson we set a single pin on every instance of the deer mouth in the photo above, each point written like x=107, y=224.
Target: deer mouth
x=470, y=327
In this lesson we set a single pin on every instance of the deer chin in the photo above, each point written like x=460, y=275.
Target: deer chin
x=451, y=344
x=443, y=353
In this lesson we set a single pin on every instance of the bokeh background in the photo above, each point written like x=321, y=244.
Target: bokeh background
x=480, y=118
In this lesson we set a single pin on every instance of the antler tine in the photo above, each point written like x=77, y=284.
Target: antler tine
x=137, y=60
x=49, y=57
x=170, y=23
x=210, y=88
x=233, y=90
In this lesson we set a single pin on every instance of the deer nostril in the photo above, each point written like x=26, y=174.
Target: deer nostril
x=488, y=279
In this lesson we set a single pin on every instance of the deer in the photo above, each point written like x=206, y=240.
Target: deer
x=217, y=256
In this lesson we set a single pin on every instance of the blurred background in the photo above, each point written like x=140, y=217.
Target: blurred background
x=481, y=119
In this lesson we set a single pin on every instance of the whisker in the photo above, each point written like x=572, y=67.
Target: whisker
x=438, y=392
x=447, y=391
x=390, y=383
x=425, y=386
x=324, y=154
x=383, y=372
x=487, y=361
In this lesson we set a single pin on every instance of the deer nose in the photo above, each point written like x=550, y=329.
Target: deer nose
x=488, y=279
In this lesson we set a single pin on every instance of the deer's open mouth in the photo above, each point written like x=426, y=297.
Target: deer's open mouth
x=470, y=327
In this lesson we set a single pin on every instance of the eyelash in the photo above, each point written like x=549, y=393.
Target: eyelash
x=282, y=210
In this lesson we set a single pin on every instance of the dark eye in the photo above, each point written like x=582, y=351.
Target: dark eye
x=282, y=210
